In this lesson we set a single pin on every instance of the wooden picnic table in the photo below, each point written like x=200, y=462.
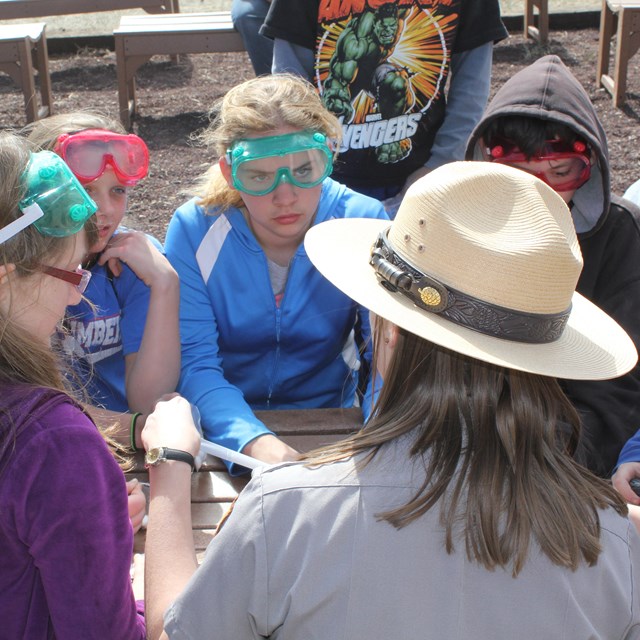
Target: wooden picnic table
x=213, y=489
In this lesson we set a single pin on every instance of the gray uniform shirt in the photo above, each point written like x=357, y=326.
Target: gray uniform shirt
x=303, y=556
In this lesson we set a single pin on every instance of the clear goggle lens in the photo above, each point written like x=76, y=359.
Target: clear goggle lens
x=89, y=152
x=259, y=165
x=55, y=202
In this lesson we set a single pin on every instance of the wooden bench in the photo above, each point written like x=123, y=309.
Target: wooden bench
x=213, y=489
x=20, y=9
x=138, y=38
x=23, y=49
x=619, y=18
x=538, y=29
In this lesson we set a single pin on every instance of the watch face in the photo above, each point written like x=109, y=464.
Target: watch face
x=153, y=456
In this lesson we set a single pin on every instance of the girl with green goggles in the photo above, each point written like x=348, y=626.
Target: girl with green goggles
x=260, y=326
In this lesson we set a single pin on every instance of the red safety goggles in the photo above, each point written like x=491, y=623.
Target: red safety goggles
x=559, y=174
x=89, y=152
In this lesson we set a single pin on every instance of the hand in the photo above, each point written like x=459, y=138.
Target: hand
x=137, y=504
x=138, y=252
x=270, y=449
x=137, y=576
x=171, y=425
x=621, y=478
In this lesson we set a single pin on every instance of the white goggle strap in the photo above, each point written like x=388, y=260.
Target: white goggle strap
x=29, y=215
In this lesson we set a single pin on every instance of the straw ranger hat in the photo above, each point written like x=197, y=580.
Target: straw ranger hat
x=481, y=259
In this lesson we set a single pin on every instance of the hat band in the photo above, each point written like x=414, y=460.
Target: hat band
x=429, y=294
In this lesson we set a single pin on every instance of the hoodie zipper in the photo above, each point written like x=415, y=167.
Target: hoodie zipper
x=278, y=310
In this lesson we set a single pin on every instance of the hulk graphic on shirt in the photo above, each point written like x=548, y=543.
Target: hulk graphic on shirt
x=360, y=63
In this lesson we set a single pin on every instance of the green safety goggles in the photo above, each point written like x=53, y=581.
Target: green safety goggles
x=259, y=165
x=55, y=203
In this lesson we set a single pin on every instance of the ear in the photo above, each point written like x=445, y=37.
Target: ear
x=225, y=169
x=5, y=270
x=390, y=333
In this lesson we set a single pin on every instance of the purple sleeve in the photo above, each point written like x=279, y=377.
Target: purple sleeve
x=71, y=511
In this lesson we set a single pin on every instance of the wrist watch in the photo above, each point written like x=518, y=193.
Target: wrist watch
x=161, y=454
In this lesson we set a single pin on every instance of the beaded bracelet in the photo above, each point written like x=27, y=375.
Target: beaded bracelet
x=132, y=431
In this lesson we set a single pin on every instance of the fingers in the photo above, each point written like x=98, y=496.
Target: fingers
x=621, y=478
x=136, y=250
x=115, y=266
x=171, y=425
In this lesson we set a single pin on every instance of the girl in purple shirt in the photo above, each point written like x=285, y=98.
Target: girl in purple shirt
x=65, y=534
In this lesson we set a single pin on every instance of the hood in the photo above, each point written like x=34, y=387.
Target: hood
x=547, y=90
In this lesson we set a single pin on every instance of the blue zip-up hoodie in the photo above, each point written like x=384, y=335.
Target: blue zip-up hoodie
x=240, y=352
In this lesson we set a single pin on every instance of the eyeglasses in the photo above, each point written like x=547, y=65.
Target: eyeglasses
x=306, y=160
x=89, y=152
x=55, y=203
x=78, y=278
x=563, y=176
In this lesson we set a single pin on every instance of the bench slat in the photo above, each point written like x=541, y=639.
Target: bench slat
x=20, y=9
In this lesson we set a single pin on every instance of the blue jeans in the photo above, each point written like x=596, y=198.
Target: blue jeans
x=248, y=16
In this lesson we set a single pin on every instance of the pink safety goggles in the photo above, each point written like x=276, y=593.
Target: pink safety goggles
x=560, y=175
x=89, y=152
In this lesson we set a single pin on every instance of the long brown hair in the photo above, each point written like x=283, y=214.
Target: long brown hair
x=24, y=361
x=497, y=445
x=21, y=358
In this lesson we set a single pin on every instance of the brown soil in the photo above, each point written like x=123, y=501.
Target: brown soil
x=174, y=99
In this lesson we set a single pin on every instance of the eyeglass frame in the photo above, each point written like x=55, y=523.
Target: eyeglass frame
x=79, y=278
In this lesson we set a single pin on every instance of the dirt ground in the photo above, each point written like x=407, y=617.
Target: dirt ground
x=174, y=100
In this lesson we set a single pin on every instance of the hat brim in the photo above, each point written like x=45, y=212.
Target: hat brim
x=592, y=347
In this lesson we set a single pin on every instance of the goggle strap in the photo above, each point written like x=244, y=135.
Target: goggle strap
x=30, y=214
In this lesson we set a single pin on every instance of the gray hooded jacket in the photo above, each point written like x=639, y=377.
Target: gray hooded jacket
x=608, y=230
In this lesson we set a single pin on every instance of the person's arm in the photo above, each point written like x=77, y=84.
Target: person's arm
x=118, y=426
x=72, y=514
x=627, y=469
x=154, y=368
x=289, y=57
x=227, y=595
x=469, y=87
x=226, y=417
x=170, y=559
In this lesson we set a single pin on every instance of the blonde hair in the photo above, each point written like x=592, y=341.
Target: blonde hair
x=259, y=105
x=44, y=133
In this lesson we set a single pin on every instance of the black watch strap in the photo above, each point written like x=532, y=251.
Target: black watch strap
x=158, y=455
x=181, y=456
